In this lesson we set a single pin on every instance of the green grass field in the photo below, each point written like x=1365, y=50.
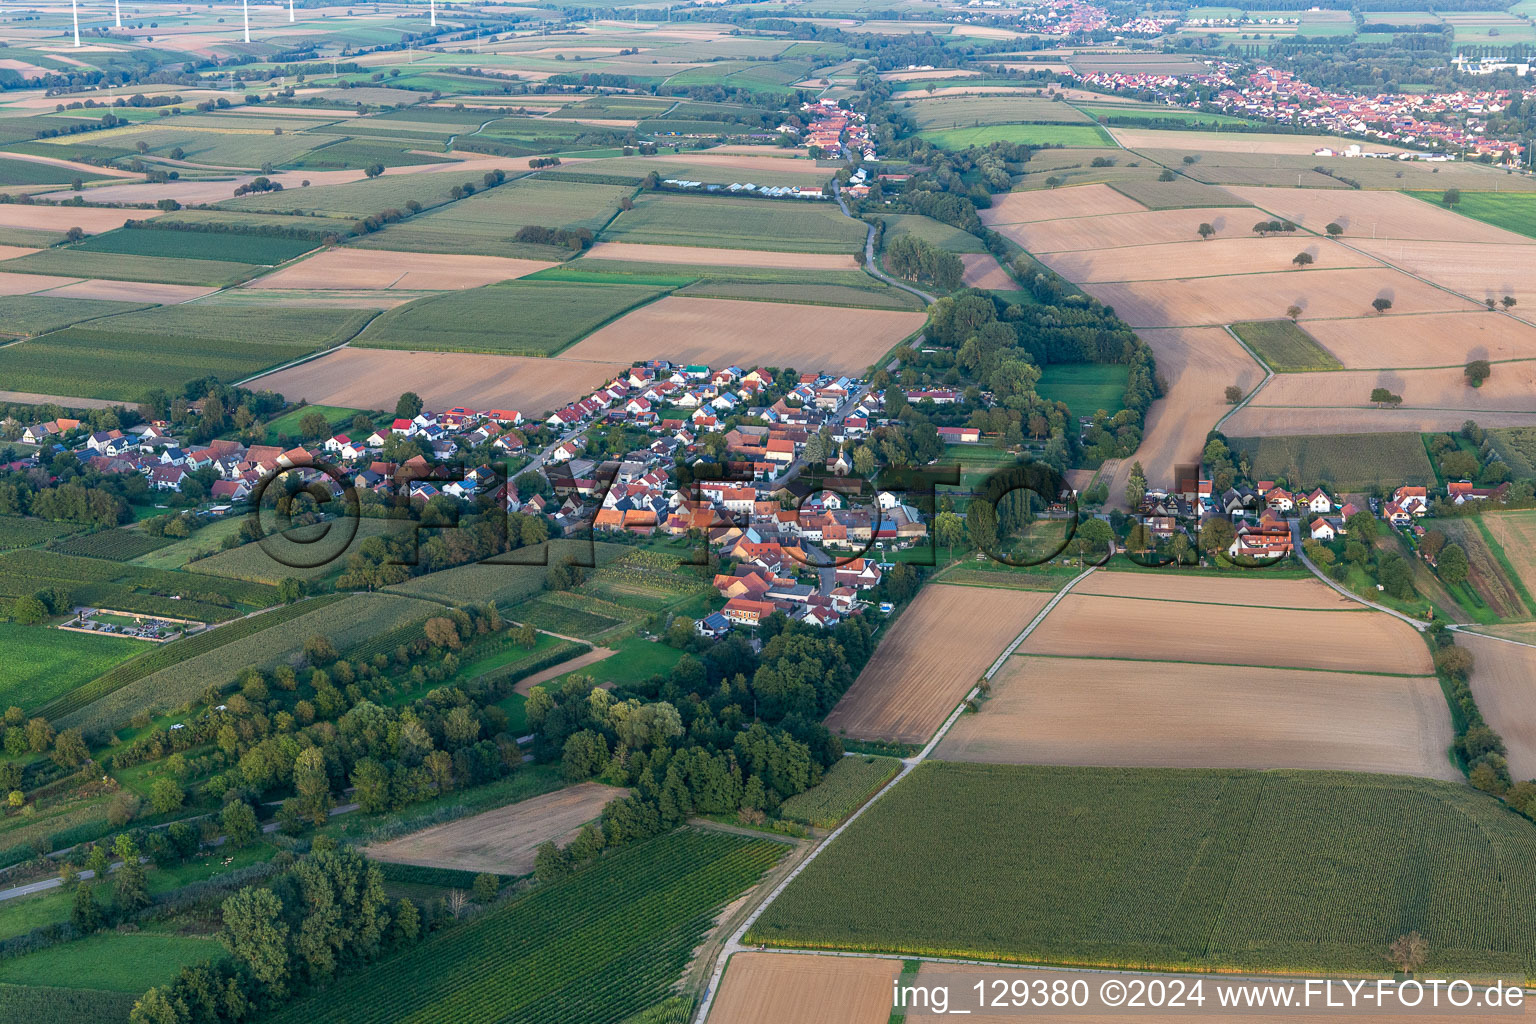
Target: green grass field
x=1285, y=346
x=287, y=425
x=354, y=153
x=1349, y=462
x=23, y=315
x=1280, y=870
x=106, y=359
x=1078, y=135
x=1513, y=211
x=30, y=172
x=708, y=221
x=532, y=318
x=196, y=245
x=484, y=224
x=1085, y=387
x=78, y=262
x=1151, y=112
x=117, y=962
x=43, y=663
x=931, y=231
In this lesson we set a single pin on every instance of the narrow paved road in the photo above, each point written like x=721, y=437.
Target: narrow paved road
x=872, y=264
x=1296, y=541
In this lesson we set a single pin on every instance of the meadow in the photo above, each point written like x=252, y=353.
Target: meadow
x=485, y=223
x=24, y=315
x=43, y=663
x=1085, y=387
x=116, y=962
x=711, y=222
x=603, y=944
x=1285, y=346
x=77, y=262
x=1081, y=135
x=1346, y=462
x=931, y=231
x=1513, y=211
x=1281, y=870
x=106, y=360
x=534, y=318
x=196, y=245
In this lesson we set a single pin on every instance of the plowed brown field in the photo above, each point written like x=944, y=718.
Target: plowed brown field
x=1198, y=363
x=1320, y=293
x=1255, y=589
x=779, y=988
x=1054, y=204
x=1367, y=214
x=1145, y=228
x=1158, y=714
x=505, y=840
x=983, y=271
x=718, y=332
x=1479, y=270
x=1426, y=339
x=1511, y=388
x=1087, y=626
x=1166, y=261
x=92, y=220
x=376, y=268
x=1504, y=683
x=361, y=378
x=932, y=658
x=1278, y=422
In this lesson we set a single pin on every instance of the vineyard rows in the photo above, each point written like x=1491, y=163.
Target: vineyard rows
x=593, y=949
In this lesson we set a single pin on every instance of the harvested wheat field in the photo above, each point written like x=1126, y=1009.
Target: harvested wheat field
x=1235, y=255
x=639, y=252
x=1146, y=228
x=1225, y=300
x=378, y=268
x=1504, y=683
x=936, y=651
x=777, y=988
x=131, y=291
x=1258, y=421
x=718, y=332
x=1195, y=142
x=1511, y=388
x=1367, y=215
x=91, y=220
x=1090, y=626
x=68, y=402
x=983, y=271
x=1199, y=364
x=360, y=378
x=1479, y=270
x=502, y=841
x=1256, y=589
x=23, y=284
x=1425, y=339
x=1057, y=204
x=1157, y=714
x=11, y=252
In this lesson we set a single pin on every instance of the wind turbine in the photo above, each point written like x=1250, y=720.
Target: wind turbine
x=290, y=12
x=117, y=13
x=74, y=9
x=434, y=13
x=246, y=4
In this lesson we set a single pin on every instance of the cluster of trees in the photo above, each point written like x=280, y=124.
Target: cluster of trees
x=327, y=915
x=574, y=239
x=918, y=260
x=1480, y=749
x=726, y=731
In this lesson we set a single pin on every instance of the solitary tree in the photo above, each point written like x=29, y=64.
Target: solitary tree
x=1490, y=303
x=409, y=405
x=1380, y=396
x=1234, y=394
x=1508, y=301
x=1293, y=312
x=1206, y=231
x=1334, y=229
x=1452, y=196
x=1477, y=371
x=1303, y=259
x=1452, y=564
x=1408, y=952
x=1381, y=304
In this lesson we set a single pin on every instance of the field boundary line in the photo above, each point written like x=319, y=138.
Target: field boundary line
x=1269, y=375
x=1467, y=629
x=1002, y=659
